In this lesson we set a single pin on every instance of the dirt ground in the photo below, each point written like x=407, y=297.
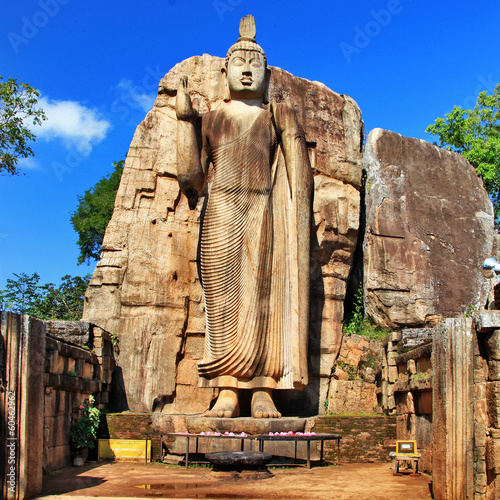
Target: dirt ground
x=125, y=480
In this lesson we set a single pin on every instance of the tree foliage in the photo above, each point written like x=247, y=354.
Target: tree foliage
x=18, y=107
x=93, y=213
x=24, y=295
x=475, y=133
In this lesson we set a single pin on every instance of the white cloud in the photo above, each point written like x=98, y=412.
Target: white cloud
x=29, y=163
x=136, y=96
x=78, y=126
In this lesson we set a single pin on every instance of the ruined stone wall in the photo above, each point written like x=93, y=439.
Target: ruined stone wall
x=487, y=405
x=447, y=397
x=71, y=374
x=22, y=346
x=412, y=391
x=353, y=387
x=146, y=287
x=47, y=379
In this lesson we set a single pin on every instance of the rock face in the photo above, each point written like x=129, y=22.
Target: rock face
x=146, y=287
x=429, y=227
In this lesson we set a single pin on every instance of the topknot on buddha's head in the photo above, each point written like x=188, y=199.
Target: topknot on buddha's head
x=246, y=41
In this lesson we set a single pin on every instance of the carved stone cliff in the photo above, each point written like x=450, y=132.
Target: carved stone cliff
x=146, y=287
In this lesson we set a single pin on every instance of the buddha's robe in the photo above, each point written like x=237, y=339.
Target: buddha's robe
x=248, y=252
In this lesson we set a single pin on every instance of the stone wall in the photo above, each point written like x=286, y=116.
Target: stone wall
x=71, y=374
x=133, y=426
x=352, y=388
x=447, y=397
x=22, y=345
x=364, y=439
x=412, y=392
x=45, y=381
x=487, y=405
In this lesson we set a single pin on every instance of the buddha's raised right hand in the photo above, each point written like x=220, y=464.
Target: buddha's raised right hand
x=184, y=109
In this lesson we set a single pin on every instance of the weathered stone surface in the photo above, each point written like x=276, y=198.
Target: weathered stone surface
x=452, y=411
x=494, y=370
x=413, y=337
x=493, y=399
x=78, y=332
x=493, y=455
x=21, y=376
x=352, y=396
x=357, y=352
x=493, y=345
x=146, y=287
x=369, y=375
x=252, y=426
x=429, y=227
x=487, y=321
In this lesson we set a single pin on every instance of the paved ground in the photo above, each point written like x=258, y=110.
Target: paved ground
x=121, y=480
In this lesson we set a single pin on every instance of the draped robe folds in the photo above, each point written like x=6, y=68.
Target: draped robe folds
x=249, y=247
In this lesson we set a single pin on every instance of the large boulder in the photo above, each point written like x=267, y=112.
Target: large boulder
x=429, y=227
x=146, y=288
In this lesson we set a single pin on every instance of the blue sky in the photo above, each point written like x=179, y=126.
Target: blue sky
x=98, y=64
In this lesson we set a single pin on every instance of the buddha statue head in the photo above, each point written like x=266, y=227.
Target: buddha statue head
x=245, y=70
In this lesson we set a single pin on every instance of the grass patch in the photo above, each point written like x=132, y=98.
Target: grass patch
x=359, y=325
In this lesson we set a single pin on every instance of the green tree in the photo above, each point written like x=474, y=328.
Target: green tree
x=21, y=294
x=475, y=133
x=24, y=295
x=18, y=106
x=63, y=302
x=93, y=213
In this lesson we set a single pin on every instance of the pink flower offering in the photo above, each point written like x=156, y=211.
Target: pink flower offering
x=291, y=433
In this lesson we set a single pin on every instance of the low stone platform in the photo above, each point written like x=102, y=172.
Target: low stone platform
x=249, y=425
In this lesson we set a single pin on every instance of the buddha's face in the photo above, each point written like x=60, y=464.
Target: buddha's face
x=247, y=74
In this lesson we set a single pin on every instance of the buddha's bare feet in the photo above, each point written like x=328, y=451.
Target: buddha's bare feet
x=263, y=404
x=227, y=405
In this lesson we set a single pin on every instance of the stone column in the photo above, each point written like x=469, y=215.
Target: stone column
x=452, y=401
x=23, y=341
